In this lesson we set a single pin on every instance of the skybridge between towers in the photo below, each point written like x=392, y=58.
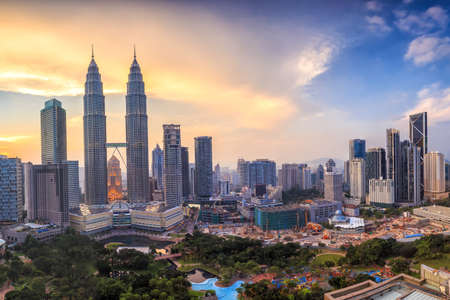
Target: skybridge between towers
x=116, y=147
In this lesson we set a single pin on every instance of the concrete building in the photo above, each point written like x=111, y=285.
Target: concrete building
x=51, y=193
x=137, y=136
x=358, y=179
x=306, y=178
x=435, y=213
x=217, y=177
x=320, y=211
x=434, y=171
x=357, y=148
x=185, y=173
x=330, y=165
x=333, y=186
x=243, y=172
x=157, y=166
x=394, y=161
x=401, y=286
x=73, y=183
x=224, y=187
x=262, y=171
x=53, y=133
x=381, y=192
x=94, y=124
x=290, y=177
x=115, y=191
x=440, y=279
x=203, y=168
x=375, y=163
x=347, y=172
x=172, y=171
x=28, y=190
x=345, y=224
x=11, y=189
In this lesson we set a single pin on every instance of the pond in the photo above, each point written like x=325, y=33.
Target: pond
x=223, y=293
x=136, y=241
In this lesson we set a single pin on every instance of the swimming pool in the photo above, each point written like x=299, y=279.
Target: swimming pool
x=223, y=293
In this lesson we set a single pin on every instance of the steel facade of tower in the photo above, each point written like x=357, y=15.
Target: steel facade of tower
x=94, y=122
x=357, y=148
x=172, y=174
x=203, y=168
x=137, y=136
x=376, y=163
x=53, y=133
x=185, y=172
x=418, y=136
x=157, y=166
x=393, y=160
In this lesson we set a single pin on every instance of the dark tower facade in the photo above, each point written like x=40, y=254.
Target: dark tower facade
x=94, y=123
x=137, y=136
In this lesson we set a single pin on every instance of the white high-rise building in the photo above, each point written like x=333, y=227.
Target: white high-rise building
x=28, y=190
x=172, y=172
x=306, y=172
x=381, y=192
x=358, y=179
x=434, y=171
x=333, y=186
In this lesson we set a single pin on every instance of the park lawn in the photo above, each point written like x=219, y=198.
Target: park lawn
x=319, y=260
x=444, y=261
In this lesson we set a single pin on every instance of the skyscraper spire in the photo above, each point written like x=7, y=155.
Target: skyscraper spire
x=137, y=136
x=92, y=51
x=94, y=123
x=134, y=46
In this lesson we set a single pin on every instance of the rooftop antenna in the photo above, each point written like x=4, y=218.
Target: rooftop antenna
x=134, y=47
x=92, y=51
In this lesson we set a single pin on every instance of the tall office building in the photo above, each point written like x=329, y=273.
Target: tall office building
x=73, y=183
x=447, y=175
x=434, y=171
x=11, y=189
x=330, y=165
x=262, y=171
x=28, y=190
x=289, y=177
x=51, y=193
x=172, y=171
x=192, y=178
x=375, y=163
x=410, y=187
x=115, y=191
x=203, y=168
x=217, y=177
x=306, y=178
x=393, y=160
x=94, y=123
x=347, y=172
x=358, y=179
x=157, y=166
x=357, y=148
x=53, y=133
x=137, y=136
x=381, y=192
x=243, y=171
x=333, y=186
x=185, y=172
x=418, y=136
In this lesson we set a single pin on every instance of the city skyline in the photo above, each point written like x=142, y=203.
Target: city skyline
x=201, y=90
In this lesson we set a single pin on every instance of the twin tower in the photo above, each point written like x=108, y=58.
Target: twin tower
x=94, y=122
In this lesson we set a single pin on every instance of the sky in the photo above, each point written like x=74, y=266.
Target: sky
x=291, y=81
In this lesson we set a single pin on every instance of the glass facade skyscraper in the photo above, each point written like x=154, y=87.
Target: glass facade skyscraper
x=357, y=148
x=94, y=123
x=157, y=166
x=53, y=133
x=11, y=189
x=172, y=174
x=203, y=168
x=185, y=172
x=137, y=136
x=394, y=160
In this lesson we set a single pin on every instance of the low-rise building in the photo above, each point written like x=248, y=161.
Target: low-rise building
x=320, y=211
x=439, y=279
x=17, y=234
x=281, y=217
x=402, y=287
x=382, y=192
x=435, y=213
x=347, y=224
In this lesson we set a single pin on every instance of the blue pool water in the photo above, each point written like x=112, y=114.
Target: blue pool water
x=223, y=293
